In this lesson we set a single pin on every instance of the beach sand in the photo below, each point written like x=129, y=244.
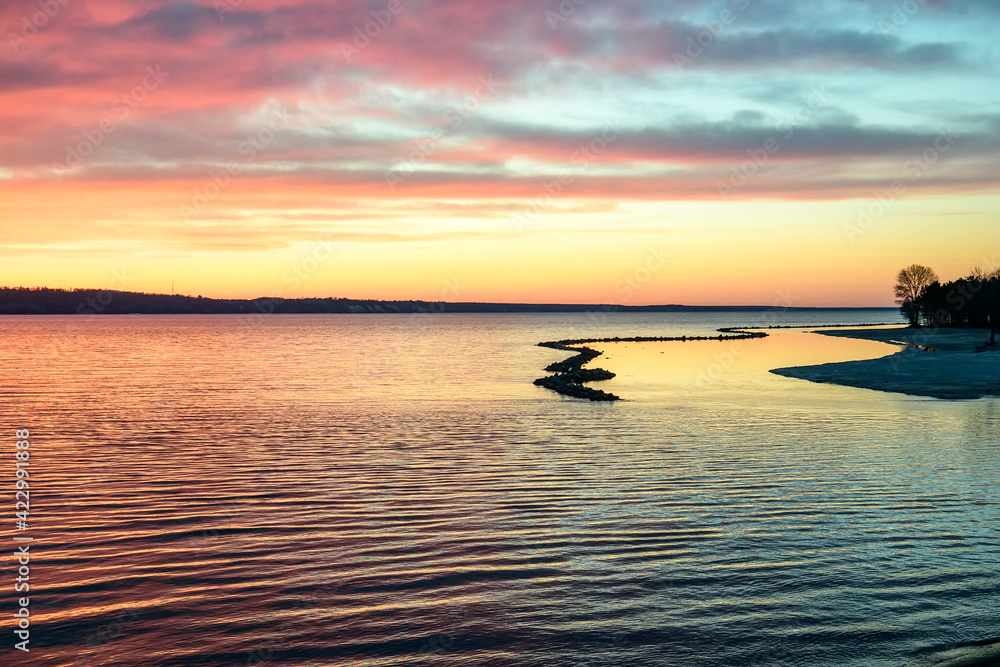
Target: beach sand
x=950, y=368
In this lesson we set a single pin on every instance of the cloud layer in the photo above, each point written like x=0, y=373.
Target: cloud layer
x=278, y=118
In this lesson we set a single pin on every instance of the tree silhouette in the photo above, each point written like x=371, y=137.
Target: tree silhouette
x=911, y=283
x=972, y=301
x=991, y=294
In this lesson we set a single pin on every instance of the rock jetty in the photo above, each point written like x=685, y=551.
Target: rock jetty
x=569, y=375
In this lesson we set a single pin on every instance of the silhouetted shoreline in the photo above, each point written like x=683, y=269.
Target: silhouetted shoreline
x=49, y=301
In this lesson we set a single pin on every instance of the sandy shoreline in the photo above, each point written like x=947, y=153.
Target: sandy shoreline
x=951, y=367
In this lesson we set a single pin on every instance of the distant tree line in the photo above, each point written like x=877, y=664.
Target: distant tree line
x=972, y=301
x=51, y=301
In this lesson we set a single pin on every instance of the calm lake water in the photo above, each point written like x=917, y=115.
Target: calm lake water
x=393, y=490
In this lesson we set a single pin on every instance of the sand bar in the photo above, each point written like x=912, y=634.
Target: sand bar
x=940, y=363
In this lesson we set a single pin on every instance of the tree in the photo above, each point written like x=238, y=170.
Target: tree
x=987, y=300
x=911, y=283
x=934, y=306
x=991, y=292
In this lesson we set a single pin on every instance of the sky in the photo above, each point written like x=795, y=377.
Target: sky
x=578, y=151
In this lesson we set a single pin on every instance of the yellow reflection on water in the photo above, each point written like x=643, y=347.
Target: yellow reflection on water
x=692, y=366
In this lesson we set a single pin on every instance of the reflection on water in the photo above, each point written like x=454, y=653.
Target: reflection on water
x=654, y=370
x=339, y=490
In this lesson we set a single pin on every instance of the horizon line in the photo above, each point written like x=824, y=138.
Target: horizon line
x=540, y=304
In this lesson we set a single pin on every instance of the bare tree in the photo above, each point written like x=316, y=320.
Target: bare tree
x=911, y=283
x=983, y=275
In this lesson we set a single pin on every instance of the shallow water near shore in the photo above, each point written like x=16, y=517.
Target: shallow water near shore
x=393, y=490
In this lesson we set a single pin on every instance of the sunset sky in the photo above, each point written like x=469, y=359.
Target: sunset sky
x=716, y=152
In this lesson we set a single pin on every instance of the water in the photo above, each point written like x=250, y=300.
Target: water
x=393, y=490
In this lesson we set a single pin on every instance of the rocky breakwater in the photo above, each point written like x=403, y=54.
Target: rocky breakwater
x=569, y=375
